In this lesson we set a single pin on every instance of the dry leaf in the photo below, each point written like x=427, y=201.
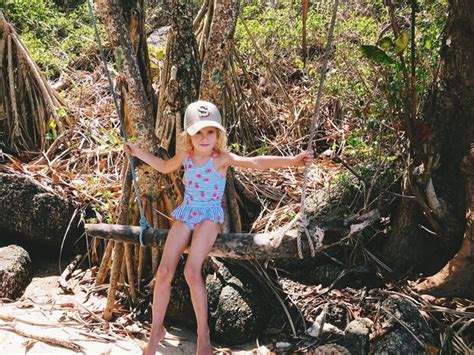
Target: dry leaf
x=55, y=179
x=17, y=166
x=28, y=344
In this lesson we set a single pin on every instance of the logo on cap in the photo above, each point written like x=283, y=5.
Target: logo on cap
x=203, y=111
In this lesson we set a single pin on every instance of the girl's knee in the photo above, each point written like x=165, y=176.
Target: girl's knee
x=192, y=274
x=164, y=274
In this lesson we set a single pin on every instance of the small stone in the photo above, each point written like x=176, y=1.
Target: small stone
x=356, y=338
x=281, y=345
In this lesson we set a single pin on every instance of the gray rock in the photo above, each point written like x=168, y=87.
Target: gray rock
x=237, y=316
x=331, y=349
x=241, y=310
x=398, y=340
x=36, y=213
x=238, y=309
x=356, y=337
x=15, y=271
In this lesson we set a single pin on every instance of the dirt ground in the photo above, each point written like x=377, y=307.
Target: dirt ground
x=45, y=320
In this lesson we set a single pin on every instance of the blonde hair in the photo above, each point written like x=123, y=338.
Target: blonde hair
x=186, y=144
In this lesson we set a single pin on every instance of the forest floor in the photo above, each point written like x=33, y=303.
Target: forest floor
x=46, y=320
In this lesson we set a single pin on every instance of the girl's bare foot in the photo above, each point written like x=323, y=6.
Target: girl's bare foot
x=154, y=341
x=204, y=346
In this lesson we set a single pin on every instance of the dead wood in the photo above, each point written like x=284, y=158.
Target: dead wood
x=48, y=340
x=246, y=245
x=67, y=273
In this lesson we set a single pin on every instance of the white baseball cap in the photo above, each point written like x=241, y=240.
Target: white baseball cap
x=200, y=114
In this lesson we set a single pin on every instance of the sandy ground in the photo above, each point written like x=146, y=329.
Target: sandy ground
x=47, y=321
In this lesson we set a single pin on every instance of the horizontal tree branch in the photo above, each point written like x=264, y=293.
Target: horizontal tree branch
x=278, y=244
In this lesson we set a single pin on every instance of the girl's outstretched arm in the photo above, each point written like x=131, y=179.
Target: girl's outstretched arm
x=163, y=166
x=270, y=161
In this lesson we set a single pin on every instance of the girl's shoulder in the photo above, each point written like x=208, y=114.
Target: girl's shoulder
x=185, y=154
x=221, y=158
x=220, y=155
x=182, y=155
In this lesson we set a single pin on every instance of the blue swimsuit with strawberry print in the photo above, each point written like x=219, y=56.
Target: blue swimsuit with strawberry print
x=202, y=196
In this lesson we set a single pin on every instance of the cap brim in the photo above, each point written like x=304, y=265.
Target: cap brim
x=195, y=128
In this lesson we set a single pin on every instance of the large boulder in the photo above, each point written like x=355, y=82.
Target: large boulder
x=239, y=313
x=15, y=271
x=35, y=212
x=238, y=308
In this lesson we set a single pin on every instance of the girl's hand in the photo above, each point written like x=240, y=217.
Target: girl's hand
x=304, y=158
x=130, y=148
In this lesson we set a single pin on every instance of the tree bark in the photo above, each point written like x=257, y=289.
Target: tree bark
x=279, y=244
x=456, y=278
x=449, y=113
x=124, y=22
x=180, y=76
x=217, y=52
x=139, y=111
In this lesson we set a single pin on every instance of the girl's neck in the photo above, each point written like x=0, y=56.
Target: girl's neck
x=203, y=155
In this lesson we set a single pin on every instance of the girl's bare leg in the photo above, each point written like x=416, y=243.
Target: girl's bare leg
x=176, y=242
x=202, y=241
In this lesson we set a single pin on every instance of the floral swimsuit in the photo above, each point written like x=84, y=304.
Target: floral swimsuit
x=202, y=196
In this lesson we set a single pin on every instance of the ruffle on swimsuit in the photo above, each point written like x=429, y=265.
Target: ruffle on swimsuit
x=203, y=194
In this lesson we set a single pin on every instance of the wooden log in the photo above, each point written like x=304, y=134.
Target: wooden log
x=278, y=244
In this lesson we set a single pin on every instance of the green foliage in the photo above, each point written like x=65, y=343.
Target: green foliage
x=52, y=132
x=238, y=148
x=262, y=150
x=278, y=31
x=366, y=74
x=401, y=43
x=55, y=39
x=376, y=54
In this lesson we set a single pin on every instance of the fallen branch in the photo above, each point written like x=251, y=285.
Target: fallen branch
x=243, y=245
x=48, y=340
x=67, y=273
x=12, y=319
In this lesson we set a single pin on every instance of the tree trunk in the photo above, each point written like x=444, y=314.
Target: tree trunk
x=138, y=111
x=217, y=52
x=450, y=113
x=125, y=25
x=457, y=277
x=180, y=76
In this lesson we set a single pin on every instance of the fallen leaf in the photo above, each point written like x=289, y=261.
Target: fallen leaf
x=17, y=166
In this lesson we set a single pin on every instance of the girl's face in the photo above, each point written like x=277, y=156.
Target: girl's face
x=204, y=140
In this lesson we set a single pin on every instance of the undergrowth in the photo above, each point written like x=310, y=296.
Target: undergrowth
x=363, y=118
x=57, y=39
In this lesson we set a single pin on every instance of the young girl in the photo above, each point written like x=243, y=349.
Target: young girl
x=205, y=161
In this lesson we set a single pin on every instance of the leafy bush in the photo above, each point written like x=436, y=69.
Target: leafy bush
x=55, y=39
